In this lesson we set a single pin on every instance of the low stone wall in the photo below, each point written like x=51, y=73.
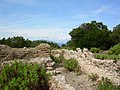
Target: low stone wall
x=104, y=68
x=47, y=62
x=8, y=53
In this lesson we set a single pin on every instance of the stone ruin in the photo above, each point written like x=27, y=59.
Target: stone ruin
x=89, y=65
x=8, y=53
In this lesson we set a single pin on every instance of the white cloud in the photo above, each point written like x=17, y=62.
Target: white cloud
x=94, y=13
x=53, y=34
x=103, y=9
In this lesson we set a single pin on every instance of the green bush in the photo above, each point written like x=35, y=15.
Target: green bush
x=107, y=56
x=69, y=47
x=95, y=50
x=102, y=56
x=71, y=64
x=59, y=59
x=106, y=84
x=115, y=49
x=21, y=76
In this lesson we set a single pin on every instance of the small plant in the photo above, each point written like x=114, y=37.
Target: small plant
x=101, y=56
x=71, y=64
x=106, y=84
x=78, y=70
x=22, y=76
x=93, y=76
x=59, y=59
x=95, y=50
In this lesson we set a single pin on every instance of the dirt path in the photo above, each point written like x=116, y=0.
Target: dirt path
x=79, y=82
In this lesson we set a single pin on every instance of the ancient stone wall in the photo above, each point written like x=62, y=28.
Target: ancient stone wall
x=103, y=68
x=8, y=53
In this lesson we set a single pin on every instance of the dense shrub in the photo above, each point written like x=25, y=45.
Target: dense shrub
x=106, y=84
x=107, y=56
x=21, y=76
x=95, y=50
x=115, y=49
x=71, y=64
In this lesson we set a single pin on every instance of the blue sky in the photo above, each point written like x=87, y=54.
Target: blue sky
x=54, y=19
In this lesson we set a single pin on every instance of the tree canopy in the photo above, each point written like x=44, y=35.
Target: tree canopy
x=115, y=35
x=20, y=42
x=94, y=34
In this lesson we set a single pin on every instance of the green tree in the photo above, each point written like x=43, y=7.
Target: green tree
x=8, y=41
x=94, y=34
x=28, y=43
x=115, y=35
x=2, y=41
x=18, y=42
x=116, y=29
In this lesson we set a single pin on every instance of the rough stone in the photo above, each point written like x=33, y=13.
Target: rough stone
x=50, y=64
x=49, y=68
x=8, y=53
x=103, y=68
x=59, y=83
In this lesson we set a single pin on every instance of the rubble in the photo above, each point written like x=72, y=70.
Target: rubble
x=85, y=58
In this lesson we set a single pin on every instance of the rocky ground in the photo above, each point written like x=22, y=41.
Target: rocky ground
x=103, y=68
x=79, y=82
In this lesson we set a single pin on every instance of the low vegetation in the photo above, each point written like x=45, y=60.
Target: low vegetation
x=78, y=70
x=115, y=49
x=21, y=76
x=107, y=56
x=71, y=64
x=113, y=53
x=95, y=50
x=59, y=59
x=106, y=84
x=93, y=76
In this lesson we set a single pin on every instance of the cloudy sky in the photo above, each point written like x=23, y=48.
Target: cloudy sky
x=54, y=19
